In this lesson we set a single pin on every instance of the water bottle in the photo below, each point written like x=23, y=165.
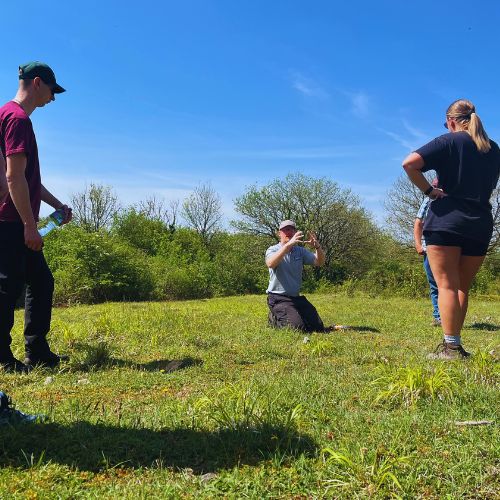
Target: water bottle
x=55, y=220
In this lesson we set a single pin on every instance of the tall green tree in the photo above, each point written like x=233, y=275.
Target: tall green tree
x=202, y=211
x=343, y=227
x=95, y=207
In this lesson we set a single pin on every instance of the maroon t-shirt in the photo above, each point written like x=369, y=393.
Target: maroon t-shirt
x=17, y=136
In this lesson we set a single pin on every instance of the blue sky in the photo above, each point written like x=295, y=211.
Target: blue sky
x=163, y=96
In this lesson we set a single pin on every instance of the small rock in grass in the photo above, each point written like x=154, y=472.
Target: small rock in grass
x=48, y=380
x=208, y=477
x=83, y=381
x=306, y=340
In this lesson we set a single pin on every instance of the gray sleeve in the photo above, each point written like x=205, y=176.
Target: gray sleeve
x=270, y=251
x=308, y=257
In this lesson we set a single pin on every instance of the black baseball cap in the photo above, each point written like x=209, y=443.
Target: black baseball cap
x=33, y=69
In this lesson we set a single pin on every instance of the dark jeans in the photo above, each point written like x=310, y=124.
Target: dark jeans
x=293, y=312
x=21, y=266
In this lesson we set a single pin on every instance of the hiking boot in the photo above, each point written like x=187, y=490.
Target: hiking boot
x=50, y=360
x=449, y=352
x=436, y=322
x=14, y=366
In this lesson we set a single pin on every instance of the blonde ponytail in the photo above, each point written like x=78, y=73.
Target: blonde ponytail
x=478, y=133
x=464, y=113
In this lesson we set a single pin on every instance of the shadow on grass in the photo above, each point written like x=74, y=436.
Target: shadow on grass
x=157, y=365
x=490, y=327
x=165, y=365
x=345, y=329
x=96, y=447
x=363, y=329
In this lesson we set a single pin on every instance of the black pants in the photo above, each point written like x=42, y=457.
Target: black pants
x=21, y=266
x=293, y=312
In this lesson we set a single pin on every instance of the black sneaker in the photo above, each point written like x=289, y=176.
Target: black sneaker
x=50, y=360
x=14, y=366
x=449, y=352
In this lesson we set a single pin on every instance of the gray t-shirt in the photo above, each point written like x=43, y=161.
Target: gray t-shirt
x=286, y=278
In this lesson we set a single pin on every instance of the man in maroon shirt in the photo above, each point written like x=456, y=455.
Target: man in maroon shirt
x=21, y=191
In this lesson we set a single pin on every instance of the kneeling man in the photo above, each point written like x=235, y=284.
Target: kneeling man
x=286, y=260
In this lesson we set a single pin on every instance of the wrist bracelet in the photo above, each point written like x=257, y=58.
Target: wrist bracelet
x=428, y=191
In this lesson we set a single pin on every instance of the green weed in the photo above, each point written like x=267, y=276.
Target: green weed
x=321, y=348
x=484, y=367
x=245, y=407
x=372, y=471
x=96, y=351
x=410, y=384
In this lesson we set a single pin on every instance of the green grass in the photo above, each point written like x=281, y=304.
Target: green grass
x=201, y=399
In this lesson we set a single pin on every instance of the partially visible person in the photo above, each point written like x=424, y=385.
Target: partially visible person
x=459, y=223
x=421, y=248
x=21, y=257
x=286, y=260
x=4, y=188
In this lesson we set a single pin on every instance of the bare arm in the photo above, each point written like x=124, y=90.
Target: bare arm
x=19, y=192
x=418, y=228
x=51, y=200
x=319, y=253
x=413, y=165
x=273, y=260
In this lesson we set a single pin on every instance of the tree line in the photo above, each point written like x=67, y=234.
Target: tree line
x=169, y=249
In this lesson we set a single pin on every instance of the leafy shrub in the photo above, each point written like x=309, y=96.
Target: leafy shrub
x=95, y=267
x=188, y=281
x=140, y=231
x=395, y=278
x=239, y=264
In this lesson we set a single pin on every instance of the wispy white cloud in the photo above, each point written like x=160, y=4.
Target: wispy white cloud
x=411, y=140
x=360, y=103
x=403, y=141
x=416, y=133
x=307, y=86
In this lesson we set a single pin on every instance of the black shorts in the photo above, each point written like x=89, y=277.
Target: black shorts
x=470, y=247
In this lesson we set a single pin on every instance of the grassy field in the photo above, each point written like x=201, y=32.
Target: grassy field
x=201, y=399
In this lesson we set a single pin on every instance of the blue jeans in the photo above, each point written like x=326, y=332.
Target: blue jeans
x=432, y=287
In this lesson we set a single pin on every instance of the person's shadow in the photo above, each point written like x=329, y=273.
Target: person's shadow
x=161, y=365
x=351, y=328
x=95, y=447
x=157, y=365
x=490, y=327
